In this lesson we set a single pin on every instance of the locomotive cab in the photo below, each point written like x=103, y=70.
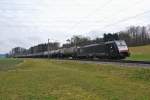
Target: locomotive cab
x=111, y=49
x=122, y=48
x=117, y=49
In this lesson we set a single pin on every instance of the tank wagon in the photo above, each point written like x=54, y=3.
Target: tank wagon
x=111, y=50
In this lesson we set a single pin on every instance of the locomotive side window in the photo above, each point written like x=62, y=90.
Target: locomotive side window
x=111, y=49
x=121, y=43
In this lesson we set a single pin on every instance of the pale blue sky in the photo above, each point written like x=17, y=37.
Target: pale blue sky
x=28, y=22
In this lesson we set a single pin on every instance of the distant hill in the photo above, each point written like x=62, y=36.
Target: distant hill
x=2, y=55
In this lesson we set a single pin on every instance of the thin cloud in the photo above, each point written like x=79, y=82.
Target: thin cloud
x=29, y=22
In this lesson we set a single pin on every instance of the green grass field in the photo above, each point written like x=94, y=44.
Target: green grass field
x=140, y=53
x=6, y=64
x=41, y=79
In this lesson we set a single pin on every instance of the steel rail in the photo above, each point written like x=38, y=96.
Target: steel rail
x=110, y=60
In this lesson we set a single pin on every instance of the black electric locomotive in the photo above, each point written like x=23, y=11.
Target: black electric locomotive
x=112, y=49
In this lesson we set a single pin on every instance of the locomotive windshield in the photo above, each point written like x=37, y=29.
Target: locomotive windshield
x=121, y=43
x=122, y=46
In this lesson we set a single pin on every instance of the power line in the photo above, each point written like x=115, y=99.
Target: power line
x=135, y=4
x=122, y=10
x=122, y=20
x=109, y=1
x=128, y=18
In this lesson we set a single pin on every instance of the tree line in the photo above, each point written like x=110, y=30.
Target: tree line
x=136, y=35
x=133, y=35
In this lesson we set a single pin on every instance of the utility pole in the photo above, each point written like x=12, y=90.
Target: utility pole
x=76, y=44
x=48, y=48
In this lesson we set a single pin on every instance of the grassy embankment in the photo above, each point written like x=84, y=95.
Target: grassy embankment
x=140, y=53
x=36, y=79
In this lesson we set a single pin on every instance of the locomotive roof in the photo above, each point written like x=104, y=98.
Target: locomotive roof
x=113, y=41
x=92, y=45
x=102, y=43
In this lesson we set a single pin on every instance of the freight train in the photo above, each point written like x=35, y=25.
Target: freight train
x=117, y=49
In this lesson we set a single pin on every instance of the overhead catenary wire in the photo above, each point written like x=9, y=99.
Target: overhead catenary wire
x=126, y=19
x=123, y=10
x=106, y=4
x=120, y=12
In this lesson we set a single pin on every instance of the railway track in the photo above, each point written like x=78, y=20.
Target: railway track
x=109, y=61
x=136, y=62
x=126, y=61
